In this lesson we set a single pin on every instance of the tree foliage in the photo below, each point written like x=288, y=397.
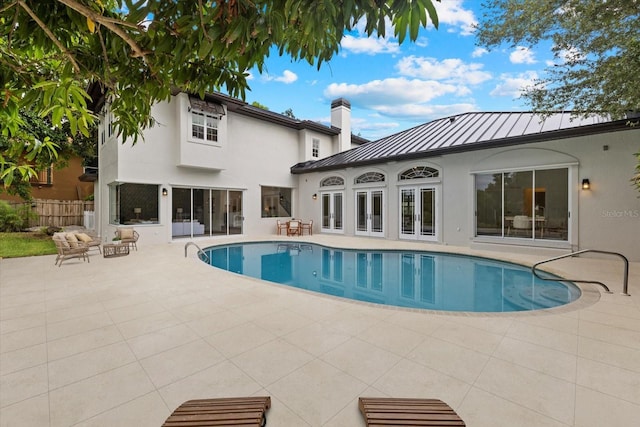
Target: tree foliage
x=138, y=51
x=289, y=113
x=596, y=45
x=258, y=105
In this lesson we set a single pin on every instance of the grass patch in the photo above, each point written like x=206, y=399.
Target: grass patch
x=14, y=245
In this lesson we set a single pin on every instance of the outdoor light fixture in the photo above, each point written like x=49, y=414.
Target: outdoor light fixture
x=586, y=185
x=315, y=196
x=165, y=192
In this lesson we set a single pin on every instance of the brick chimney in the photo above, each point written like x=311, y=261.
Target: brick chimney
x=341, y=119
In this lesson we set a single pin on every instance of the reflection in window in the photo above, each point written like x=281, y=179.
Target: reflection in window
x=133, y=203
x=419, y=172
x=204, y=126
x=523, y=204
x=276, y=202
x=369, y=177
x=332, y=180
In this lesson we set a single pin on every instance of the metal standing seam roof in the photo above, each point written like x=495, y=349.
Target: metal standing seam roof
x=465, y=132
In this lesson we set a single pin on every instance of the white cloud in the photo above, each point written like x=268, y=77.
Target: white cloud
x=452, y=70
x=452, y=13
x=478, y=52
x=287, y=77
x=402, y=99
x=425, y=113
x=391, y=91
x=514, y=85
x=569, y=55
x=522, y=55
x=369, y=45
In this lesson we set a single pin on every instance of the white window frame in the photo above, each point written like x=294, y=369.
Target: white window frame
x=205, y=127
x=315, y=148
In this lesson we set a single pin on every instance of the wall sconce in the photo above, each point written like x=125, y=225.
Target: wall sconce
x=165, y=192
x=315, y=196
x=586, y=185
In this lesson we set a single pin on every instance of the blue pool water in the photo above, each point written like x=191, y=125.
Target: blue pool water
x=425, y=280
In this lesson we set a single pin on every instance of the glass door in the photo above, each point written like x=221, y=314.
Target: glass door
x=370, y=212
x=418, y=213
x=236, y=217
x=332, y=212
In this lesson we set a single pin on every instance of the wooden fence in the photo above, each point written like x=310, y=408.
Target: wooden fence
x=56, y=213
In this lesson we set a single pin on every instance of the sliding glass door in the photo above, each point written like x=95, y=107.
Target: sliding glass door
x=529, y=204
x=205, y=212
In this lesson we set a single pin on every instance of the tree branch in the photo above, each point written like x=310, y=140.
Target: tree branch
x=7, y=7
x=104, y=55
x=109, y=23
x=202, y=20
x=50, y=35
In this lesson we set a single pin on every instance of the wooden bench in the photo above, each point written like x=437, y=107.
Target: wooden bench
x=235, y=411
x=382, y=411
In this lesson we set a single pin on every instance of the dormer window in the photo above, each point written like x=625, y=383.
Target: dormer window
x=205, y=118
x=204, y=127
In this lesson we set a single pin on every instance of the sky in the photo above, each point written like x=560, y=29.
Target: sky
x=394, y=87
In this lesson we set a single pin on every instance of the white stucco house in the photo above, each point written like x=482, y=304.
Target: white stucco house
x=210, y=167
x=500, y=181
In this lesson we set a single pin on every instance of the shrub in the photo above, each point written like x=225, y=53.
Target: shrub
x=14, y=219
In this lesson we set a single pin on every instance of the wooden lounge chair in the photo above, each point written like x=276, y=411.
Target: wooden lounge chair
x=234, y=411
x=69, y=249
x=382, y=411
x=90, y=241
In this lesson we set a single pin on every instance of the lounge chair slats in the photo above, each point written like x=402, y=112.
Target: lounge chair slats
x=236, y=411
x=379, y=412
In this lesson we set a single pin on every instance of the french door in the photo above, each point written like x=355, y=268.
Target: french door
x=370, y=212
x=332, y=211
x=418, y=213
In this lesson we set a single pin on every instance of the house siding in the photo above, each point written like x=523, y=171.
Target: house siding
x=607, y=217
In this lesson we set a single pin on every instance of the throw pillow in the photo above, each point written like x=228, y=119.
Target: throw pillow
x=83, y=237
x=72, y=239
x=126, y=233
x=62, y=238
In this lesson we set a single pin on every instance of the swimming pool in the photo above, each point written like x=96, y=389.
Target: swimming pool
x=413, y=279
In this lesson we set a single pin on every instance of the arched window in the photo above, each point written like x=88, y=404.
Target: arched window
x=332, y=180
x=369, y=177
x=419, y=172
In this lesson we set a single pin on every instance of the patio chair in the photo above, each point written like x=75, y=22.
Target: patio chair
x=293, y=228
x=281, y=226
x=91, y=242
x=521, y=223
x=382, y=411
x=235, y=411
x=308, y=226
x=68, y=248
x=129, y=236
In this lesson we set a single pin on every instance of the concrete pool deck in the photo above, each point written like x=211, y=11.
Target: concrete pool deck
x=123, y=341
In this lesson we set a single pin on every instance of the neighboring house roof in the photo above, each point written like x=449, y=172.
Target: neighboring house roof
x=466, y=132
